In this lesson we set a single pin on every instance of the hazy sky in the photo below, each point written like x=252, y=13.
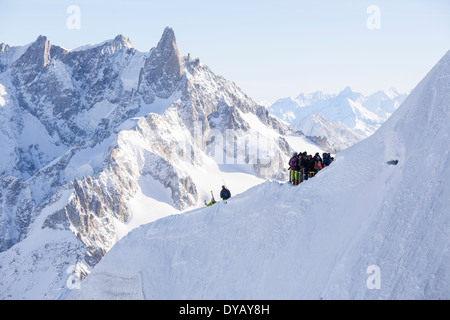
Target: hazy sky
x=271, y=49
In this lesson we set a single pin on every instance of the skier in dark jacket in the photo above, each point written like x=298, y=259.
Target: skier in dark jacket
x=303, y=162
x=326, y=159
x=225, y=193
x=317, y=157
x=311, y=162
x=317, y=163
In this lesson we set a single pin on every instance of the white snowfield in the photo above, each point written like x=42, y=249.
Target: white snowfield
x=361, y=229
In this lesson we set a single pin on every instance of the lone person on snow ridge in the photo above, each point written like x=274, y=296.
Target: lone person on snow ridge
x=225, y=193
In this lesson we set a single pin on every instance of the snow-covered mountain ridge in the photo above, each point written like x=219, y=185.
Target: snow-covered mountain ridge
x=373, y=225
x=360, y=113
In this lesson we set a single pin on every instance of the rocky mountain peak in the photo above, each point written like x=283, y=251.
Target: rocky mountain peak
x=3, y=47
x=38, y=53
x=163, y=69
x=168, y=54
x=168, y=35
x=347, y=92
x=123, y=40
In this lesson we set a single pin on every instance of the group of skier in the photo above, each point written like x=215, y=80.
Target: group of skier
x=303, y=166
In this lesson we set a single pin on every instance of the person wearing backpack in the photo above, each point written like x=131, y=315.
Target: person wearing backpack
x=292, y=164
x=310, y=169
x=326, y=159
x=317, y=163
x=225, y=194
x=295, y=168
x=304, y=163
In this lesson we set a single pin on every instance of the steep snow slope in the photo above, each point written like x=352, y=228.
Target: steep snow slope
x=316, y=241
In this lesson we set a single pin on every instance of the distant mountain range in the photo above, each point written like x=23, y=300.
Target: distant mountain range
x=361, y=114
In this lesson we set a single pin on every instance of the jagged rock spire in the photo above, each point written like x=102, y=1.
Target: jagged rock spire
x=163, y=69
x=167, y=52
x=34, y=60
x=39, y=52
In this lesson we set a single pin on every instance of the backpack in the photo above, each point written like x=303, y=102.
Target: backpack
x=293, y=163
x=225, y=194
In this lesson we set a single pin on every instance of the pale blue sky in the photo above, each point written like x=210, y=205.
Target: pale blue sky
x=271, y=49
